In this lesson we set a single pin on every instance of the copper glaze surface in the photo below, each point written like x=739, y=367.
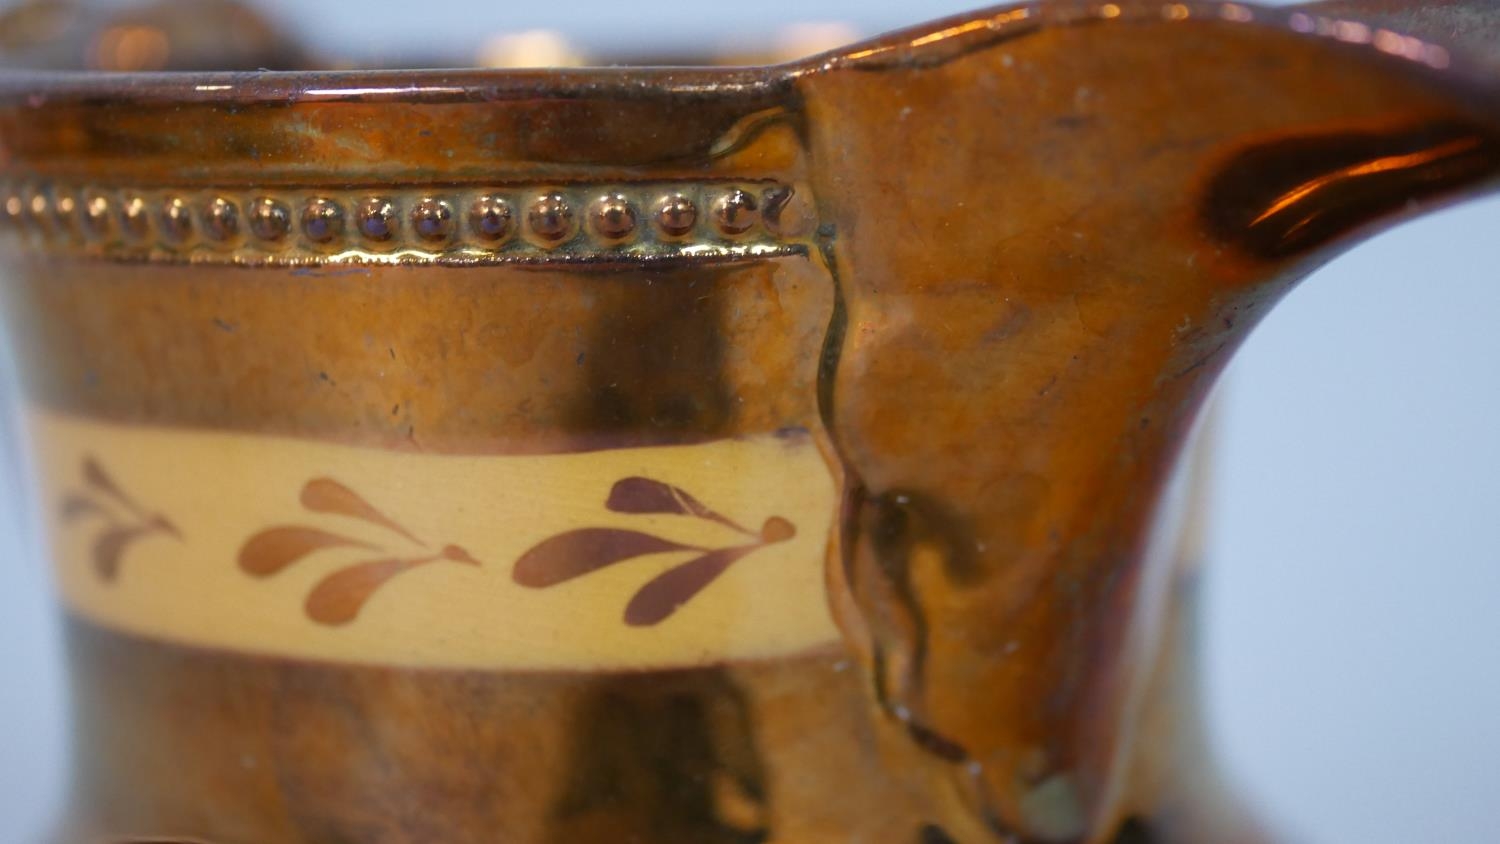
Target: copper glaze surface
x=985, y=270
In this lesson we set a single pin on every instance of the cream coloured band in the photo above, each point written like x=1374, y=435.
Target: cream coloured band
x=628, y=558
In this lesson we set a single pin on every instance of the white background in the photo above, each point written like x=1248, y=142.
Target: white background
x=1351, y=630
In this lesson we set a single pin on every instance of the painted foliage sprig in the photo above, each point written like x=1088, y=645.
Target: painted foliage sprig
x=123, y=520
x=338, y=597
x=566, y=556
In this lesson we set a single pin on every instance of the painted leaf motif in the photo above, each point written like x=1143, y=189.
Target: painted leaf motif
x=78, y=506
x=272, y=550
x=566, y=556
x=325, y=495
x=339, y=597
x=96, y=477
x=111, y=545
x=161, y=523
x=777, y=529
x=646, y=495
x=659, y=598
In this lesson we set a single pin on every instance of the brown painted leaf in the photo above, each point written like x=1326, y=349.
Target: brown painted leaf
x=165, y=525
x=77, y=506
x=776, y=529
x=96, y=477
x=272, y=550
x=110, y=547
x=325, y=495
x=339, y=597
x=568, y=555
x=659, y=598
x=645, y=495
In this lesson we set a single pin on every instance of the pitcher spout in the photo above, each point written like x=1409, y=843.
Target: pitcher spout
x=1050, y=227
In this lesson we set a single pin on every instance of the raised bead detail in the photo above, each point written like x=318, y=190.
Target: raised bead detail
x=432, y=219
x=613, y=217
x=270, y=220
x=490, y=218
x=735, y=212
x=64, y=210
x=322, y=220
x=176, y=220
x=676, y=215
x=96, y=216
x=134, y=219
x=222, y=220
x=377, y=218
x=550, y=218
x=659, y=221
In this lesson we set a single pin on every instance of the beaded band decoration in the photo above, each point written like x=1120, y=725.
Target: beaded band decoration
x=578, y=223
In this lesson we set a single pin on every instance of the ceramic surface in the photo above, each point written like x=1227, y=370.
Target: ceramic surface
x=788, y=454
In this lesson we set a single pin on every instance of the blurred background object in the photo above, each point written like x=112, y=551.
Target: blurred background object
x=1354, y=561
x=144, y=36
x=187, y=35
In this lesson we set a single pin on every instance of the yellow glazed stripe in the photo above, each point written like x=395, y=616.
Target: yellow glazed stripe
x=630, y=558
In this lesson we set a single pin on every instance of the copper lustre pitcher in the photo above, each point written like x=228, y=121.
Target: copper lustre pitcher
x=680, y=456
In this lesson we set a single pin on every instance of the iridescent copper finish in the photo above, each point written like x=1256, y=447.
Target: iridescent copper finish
x=433, y=219
x=223, y=220
x=646, y=344
x=377, y=218
x=490, y=218
x=613, y=217
x=96, y=216
x=735, y=212
x=676, y=215
x=322, y=220
x=176, y=220
x=135, y=219
x=270, y=220
x=64, y=211
x=550, y=218
x=381, y=233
